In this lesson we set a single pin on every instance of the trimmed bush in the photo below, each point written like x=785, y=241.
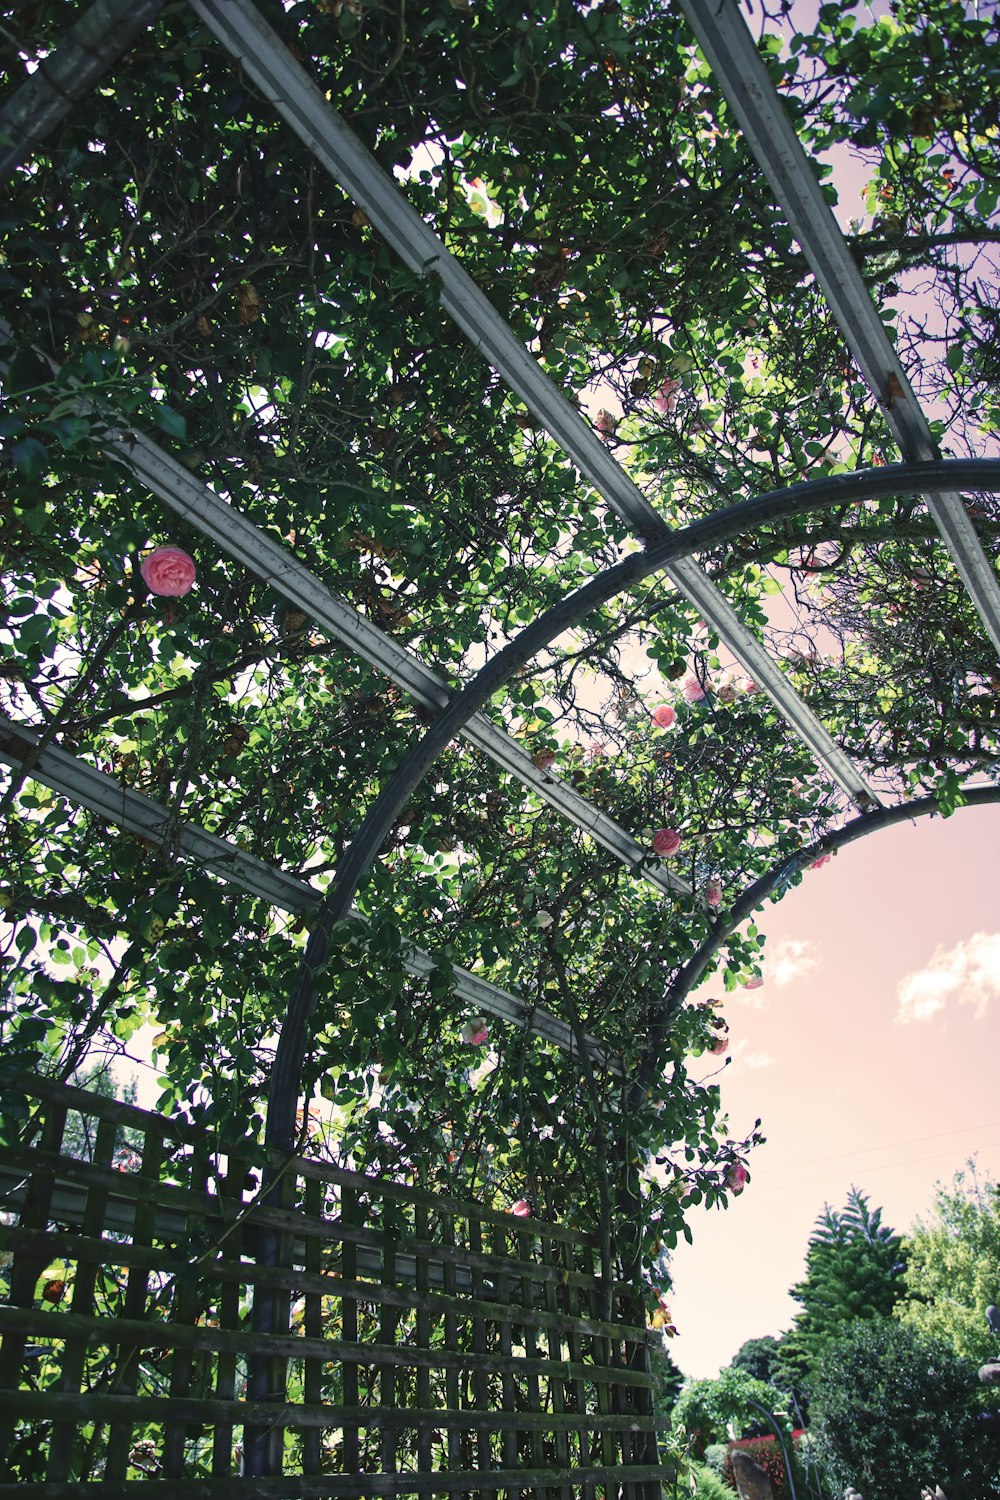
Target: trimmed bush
x=895, y=1412
x=709, y=1486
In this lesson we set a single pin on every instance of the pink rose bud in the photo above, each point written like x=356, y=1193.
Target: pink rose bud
x=168, y=571
x=521, y=1209
x=754, y=984
x=664, y=715
x=818, y=864
x=666, y=841
x=737, y=1177
x=713, y=892
x=692, y=690
x=475, y=1032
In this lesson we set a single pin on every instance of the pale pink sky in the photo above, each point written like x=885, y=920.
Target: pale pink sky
x=849, y=1092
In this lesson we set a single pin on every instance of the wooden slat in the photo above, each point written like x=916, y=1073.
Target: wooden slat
x=27, y=1268
x=480, y=1380
x=230, y=1326
x=557, y=1388
x=176, y=1201
x=126, y=1374
x=508, y=1382
x=453, y=1385
x=349, y=1321
x=168, y=1335
x=187, y=1302
x=423, y=1337
x=312, y=1323
x=387, y=1372
x=64, y=1443
x=530, y=1349
x=314, y=1487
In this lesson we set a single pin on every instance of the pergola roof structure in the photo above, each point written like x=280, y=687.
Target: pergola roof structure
x=284, y=82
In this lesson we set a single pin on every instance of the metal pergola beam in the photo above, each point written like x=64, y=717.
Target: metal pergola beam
x=89, y=46
x=732, y=55
x=86, y=787
x=287, y=86
x=240, y=539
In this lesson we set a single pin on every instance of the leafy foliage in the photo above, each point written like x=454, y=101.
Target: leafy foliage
x=953, y=1267
x=896, y=1412
x=179, y=253
x=707, y=1410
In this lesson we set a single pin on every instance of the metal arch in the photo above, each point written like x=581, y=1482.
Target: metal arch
x=757, y=893
x=729, y=49
x=86, y=787
x=89, y=46
x=809, y=495
x=287, y=86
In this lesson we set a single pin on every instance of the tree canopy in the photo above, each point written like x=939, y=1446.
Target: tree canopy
x=853, y=1272
x=953, y=1267
x=193, y=272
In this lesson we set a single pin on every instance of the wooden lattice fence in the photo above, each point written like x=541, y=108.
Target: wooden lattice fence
x=403, y=1343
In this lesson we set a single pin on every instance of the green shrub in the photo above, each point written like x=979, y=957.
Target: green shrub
x=717, y=1459
x=895, y=1411
x=709, y=1486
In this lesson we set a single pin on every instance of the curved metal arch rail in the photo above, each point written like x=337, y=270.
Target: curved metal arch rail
x=943, y=476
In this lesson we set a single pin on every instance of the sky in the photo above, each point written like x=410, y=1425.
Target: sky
x=872, y=1056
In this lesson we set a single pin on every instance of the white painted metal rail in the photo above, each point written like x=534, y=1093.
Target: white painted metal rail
x=732, y=55
x=242, y=30
x=240, y=539
x=87, y=787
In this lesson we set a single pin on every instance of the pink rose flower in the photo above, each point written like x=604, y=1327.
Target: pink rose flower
x=475, y=1032
x=521, y=1209
x=666, y=400
x=692, y=689
x=606, y=424
x=666, y=841
x=713, y=893
x=168, y=571
x=818, y=864
x=737, y=1177
x=544, y=758
x=751, y=688
x=664, y=715
x=754, y=984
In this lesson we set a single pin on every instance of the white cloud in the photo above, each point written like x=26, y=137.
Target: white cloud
x=969, y=972
x=789, y=959
x=751, y=1060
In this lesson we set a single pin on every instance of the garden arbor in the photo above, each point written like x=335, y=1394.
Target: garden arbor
x=494, y=387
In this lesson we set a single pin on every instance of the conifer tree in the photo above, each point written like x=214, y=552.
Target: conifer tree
x=853, y=1271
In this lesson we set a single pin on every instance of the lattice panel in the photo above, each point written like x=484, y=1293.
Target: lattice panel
x=399, y=1343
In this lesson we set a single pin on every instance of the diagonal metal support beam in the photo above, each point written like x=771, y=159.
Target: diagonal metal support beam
x=89, y=47
x=244, y=33
x=239, y=538
x=732, y=55
x=86, y=787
